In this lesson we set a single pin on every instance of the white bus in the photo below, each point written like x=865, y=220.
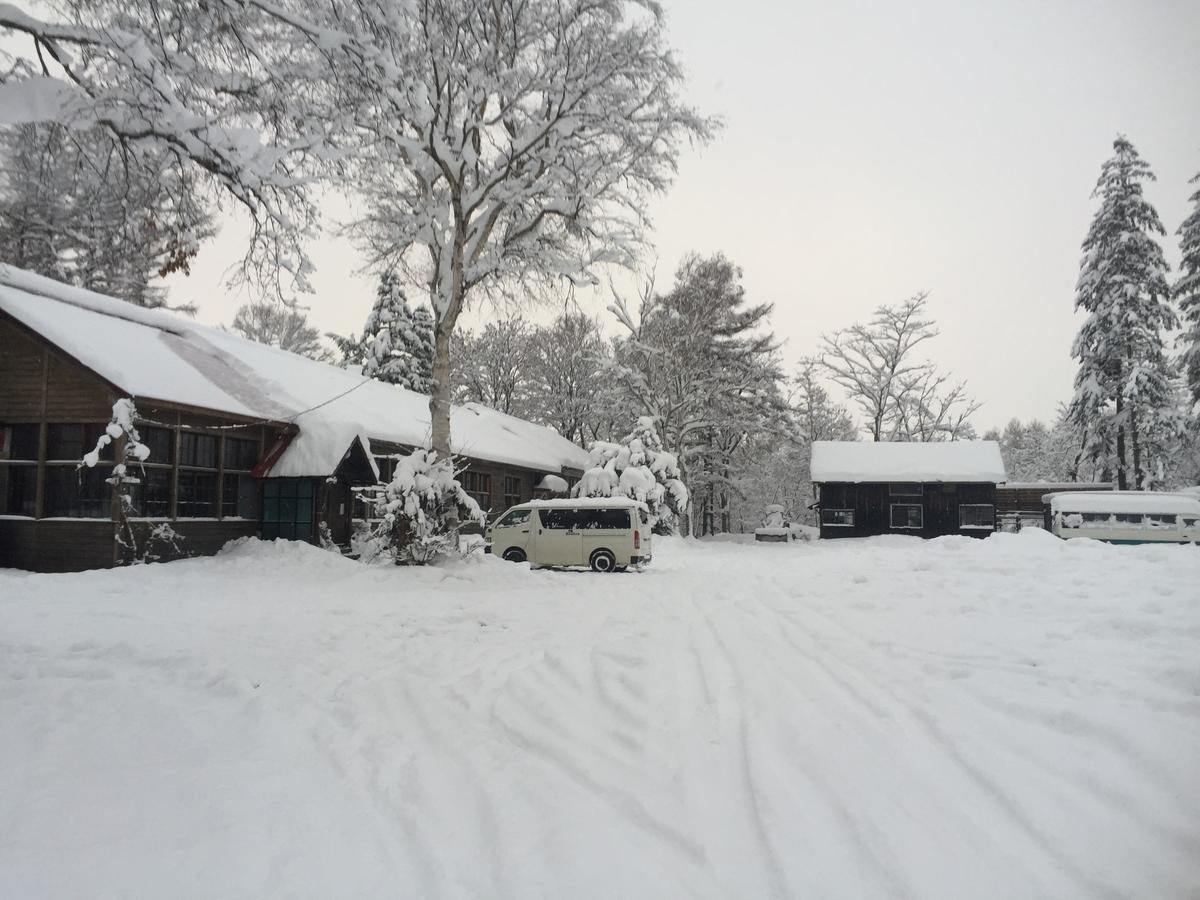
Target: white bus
x=1125, y=517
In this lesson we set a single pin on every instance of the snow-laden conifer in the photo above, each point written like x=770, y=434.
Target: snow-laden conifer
x=420, y=509
x=1187, y=292
x=1124, y=402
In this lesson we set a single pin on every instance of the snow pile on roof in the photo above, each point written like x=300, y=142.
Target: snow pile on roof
x=859, y=461
x=156, y=355
x=1123, y=502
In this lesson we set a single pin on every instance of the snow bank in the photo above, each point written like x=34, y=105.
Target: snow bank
x=859, y=461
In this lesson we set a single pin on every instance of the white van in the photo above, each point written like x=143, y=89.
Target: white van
x=610, y=534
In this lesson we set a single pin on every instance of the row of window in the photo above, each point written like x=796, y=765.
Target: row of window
x=912, y=516
x=74, y=492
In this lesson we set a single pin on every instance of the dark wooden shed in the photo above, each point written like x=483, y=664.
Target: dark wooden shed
x=920, y=489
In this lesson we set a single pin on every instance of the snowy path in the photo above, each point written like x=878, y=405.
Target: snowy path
x=889, y=718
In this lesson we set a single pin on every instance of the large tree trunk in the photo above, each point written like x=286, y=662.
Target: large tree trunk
x=439, y=394
x=1135, y=439
x=1122, y=479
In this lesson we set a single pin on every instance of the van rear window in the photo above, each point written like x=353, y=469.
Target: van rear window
x=591, y=519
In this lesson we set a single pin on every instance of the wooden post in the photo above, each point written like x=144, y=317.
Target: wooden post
x=117, y=507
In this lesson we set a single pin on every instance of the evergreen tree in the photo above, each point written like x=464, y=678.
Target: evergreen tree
x=397, y=341
x=1187, y=292
x=1124, y=401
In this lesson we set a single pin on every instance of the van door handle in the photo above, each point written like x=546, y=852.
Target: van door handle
x=525, y=531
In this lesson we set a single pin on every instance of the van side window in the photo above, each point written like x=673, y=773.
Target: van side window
x=606, y=519
x=514, y=518
x=559, y=519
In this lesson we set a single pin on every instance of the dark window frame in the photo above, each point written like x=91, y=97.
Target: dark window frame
x=836, y=510
x=964, y=526
x=892, y=516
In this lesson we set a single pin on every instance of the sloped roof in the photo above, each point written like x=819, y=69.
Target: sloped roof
x=860, y=461
x=157, y=355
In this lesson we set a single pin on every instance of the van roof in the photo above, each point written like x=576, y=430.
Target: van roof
x=585, y=503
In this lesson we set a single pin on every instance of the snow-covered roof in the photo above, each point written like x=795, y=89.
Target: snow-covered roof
x=1123, y=502
x=860, y=461
x=157, y=355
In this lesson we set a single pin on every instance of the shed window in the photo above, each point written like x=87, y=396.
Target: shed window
x=908, y=515
x=78, y=493
x=18, y=489
x=198, y=450
x=239, y=496
x=68, y=443
x=240, y=454
x=479, y=486
x=512, y=490
x=19, y=442
x=287, y=509
x=839, y=518
x=151, y=497
x=977, y=515
x=905, y=489
x=197, y=494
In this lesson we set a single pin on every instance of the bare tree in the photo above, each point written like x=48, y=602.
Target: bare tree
x=902, y=396
x=513, y=143
x=495, y=367
x=280, y=326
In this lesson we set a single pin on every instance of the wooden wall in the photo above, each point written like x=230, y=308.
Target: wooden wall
x=871, y=503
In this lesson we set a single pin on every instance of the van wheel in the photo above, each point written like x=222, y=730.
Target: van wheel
x=603, y=561
x=514, y=554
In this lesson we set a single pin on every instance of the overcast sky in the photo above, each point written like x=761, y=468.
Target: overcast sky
x=874, y=149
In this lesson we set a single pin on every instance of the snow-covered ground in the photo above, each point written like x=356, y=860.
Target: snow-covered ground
x=1017, y=717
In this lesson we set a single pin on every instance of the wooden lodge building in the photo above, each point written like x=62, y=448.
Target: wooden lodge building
x=922, y=489
x=245, y=439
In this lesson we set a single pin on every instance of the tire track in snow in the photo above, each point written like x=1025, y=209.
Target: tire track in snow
x=976, y=775
x=750, y=787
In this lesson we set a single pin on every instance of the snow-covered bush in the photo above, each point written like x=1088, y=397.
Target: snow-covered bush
x=416, y=526
x=640, y=468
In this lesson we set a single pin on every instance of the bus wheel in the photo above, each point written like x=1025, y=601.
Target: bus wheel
x=603, y=561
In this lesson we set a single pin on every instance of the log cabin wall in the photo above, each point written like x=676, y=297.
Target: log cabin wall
x=43, y=391
x=872, y=514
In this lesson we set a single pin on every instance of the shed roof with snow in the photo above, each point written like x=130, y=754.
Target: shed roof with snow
x=157, y=355
x=944, y=461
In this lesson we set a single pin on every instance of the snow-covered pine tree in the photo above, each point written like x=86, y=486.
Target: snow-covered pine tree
x=397, y=341
x=1187, y=292
x=638, y=467
x=1124, y=401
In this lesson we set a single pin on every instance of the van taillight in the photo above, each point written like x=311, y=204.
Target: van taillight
x=637, y=540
